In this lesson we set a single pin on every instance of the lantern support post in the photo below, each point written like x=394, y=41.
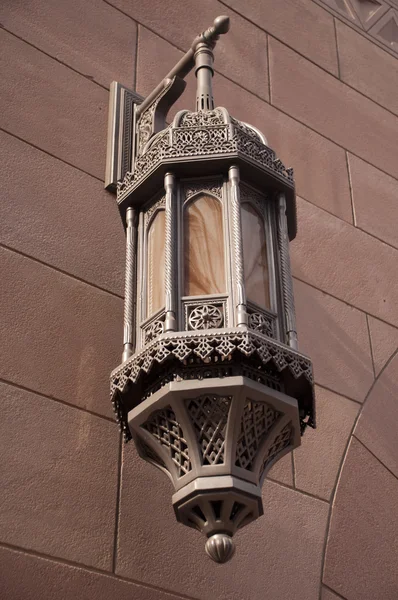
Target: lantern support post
x=169, y=253
x=129, y=290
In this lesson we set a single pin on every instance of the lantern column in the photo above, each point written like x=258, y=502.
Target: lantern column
x=286, y=275
x=238, y=275
x=170, y=254
x=130, y=283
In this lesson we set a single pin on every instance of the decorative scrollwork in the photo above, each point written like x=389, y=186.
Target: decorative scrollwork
x=160, y=203
x=153, y=330
x=259, y=322
x=207, y=134
x=209, y=347
x=214, y=186
x=203, y=117
x=206, y=316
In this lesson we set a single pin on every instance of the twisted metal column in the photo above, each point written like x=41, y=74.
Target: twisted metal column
x=169, y=254
x=129, y=290
x=286, y=274
x=241, y=309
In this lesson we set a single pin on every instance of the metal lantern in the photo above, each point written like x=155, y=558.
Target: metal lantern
x=211, y=387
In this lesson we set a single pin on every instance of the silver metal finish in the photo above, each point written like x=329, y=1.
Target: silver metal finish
x=236, y=228
x=130, y=285
x=170, y=255
x=286, y=275
x=220, y=547
x=211, y=387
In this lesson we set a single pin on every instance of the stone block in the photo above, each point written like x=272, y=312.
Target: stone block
x=377, y=425
x=32, y=577
x=59, y=479
x=360, y=559
x=91, y=37
x=345, y=262
x=367, y=68
x=317, y=460
x=305, y=26
x=307, y=93
x=63, y=337
x=384, y=340
x=52, y=107
x=60, y=215
x=375, y=200
x=335, y=336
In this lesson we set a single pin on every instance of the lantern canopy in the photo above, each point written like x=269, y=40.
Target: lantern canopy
x=211, y=387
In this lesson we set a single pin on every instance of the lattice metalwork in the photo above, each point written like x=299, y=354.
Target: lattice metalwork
x=257, y=420
x=281, y=442
x=207, y=316
x=165, y=428
x=262, y=323
x=209, y=416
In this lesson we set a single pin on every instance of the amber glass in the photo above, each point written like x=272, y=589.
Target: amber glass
x=255, y=256
x=155, y=267
x=204, y=247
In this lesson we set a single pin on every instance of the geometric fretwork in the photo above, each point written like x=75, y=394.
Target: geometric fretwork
x=209, y=416
x=282, y=440
x=257, y=420
x=165, y=428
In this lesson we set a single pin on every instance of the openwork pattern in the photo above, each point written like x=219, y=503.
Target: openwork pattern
x=257, y=420
x=202, y=117
x=203, y=140
x=209, y=347
x=206, y=316
x=281, y=442
x=209, y=416
x=262, y=323
x=161, y=203
x=166, y=430
x=152, y=331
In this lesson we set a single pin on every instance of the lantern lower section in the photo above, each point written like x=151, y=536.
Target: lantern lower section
x=215, y=411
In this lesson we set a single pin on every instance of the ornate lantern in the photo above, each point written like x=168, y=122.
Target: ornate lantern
x=211, y=387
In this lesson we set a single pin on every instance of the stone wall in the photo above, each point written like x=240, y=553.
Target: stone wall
x=82, y=517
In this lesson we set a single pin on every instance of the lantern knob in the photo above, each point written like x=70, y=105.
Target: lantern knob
x=220, y=547
x=221, y=24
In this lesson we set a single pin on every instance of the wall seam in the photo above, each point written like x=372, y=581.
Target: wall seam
x=343, y=301
x=58, y=270
x=337, y=50
x=347, y=161
x=95, y=570
x=340, y=469
x=62, y=160
x=289, y=487
x=269, y=72
x=371, y=346
x=270, y=35
x=54, y=399
x=137, y=34
x=374, y=456
x=64, y=64
x=334, y=592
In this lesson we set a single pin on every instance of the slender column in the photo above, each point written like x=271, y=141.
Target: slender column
x=169, y=253
x=237, y=242
x=130, y=282
x=286, y=274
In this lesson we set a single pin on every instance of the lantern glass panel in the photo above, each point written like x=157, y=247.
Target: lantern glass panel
x=255, y=256
x=155, y=265
x=204, y=247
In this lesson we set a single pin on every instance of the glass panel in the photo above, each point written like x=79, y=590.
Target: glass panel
x=204, y=247
x=255, y=256
x=155, y=268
